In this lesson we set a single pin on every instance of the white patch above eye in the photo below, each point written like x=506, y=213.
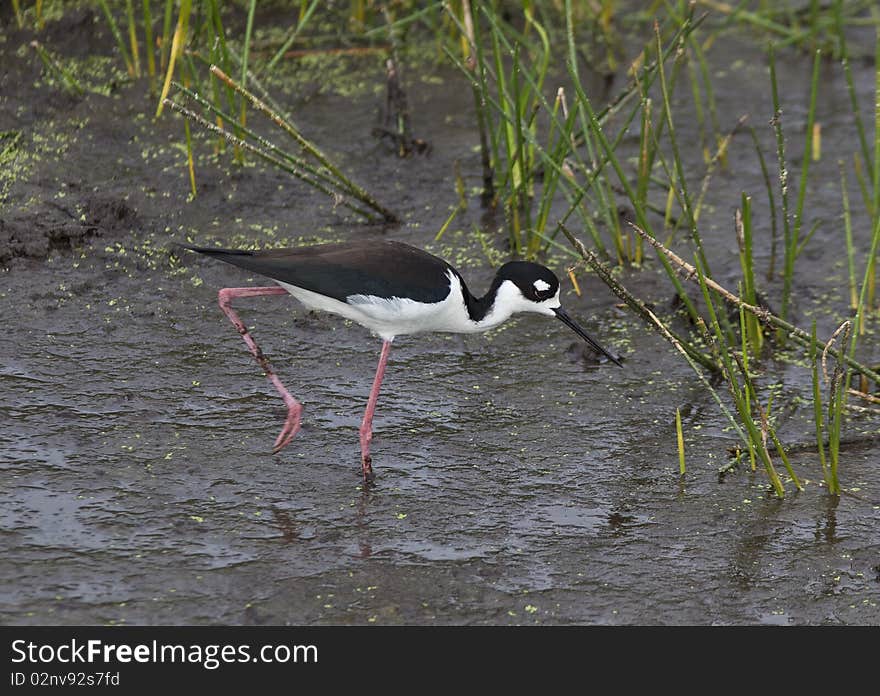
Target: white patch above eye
x=541, y=285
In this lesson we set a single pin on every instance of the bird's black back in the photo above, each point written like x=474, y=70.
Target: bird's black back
x=380, y=268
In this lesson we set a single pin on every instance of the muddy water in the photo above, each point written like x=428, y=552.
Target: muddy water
x=517, y=481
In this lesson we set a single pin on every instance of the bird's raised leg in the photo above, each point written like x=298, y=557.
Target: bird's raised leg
x=367, y=423
x=294, y=407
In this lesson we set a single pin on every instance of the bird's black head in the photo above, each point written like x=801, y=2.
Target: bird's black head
x=537, y=283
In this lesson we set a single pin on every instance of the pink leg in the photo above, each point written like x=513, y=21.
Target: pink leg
x=294, y=408
x=367, y=423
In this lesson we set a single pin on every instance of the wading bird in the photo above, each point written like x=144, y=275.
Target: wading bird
x=392, y=289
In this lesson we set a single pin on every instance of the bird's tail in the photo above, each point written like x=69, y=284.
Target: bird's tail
x=243, y=258
x=217, y=252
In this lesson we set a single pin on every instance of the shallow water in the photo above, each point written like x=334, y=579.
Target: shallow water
x=516, y=481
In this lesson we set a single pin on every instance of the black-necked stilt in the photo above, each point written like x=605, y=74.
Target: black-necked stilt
x=390, y=288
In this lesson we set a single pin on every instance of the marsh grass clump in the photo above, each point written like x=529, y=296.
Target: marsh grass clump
x=320, y=173
x=737, y=344
x=197, y=55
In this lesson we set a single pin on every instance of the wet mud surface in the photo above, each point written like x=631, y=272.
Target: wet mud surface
x=517, y=482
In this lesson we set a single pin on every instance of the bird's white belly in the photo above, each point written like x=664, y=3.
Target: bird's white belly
x=389, y=317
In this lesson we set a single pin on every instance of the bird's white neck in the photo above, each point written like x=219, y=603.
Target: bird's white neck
x=504, y=300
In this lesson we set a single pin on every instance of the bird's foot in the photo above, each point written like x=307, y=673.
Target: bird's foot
x=291, y=427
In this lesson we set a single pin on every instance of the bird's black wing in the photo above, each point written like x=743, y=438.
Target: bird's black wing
x=379, y=268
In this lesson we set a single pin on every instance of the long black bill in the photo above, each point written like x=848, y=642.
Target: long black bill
x=562, y=315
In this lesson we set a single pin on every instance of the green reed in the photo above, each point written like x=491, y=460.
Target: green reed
x=165, y=46
x=793, y=241
x=796, y=240
x=850, y=248
x=750, y=327
x=473, y=62
x=679, y=438
x=149, y=46
x=519, y=100
x=117, y=35
x=133, y=40
x=771, y=204
x=245, y=54
x=700, y=83
x=788, y=245
x=838, y=385
x=818, y=418
x=221, y=55
x=741, y=387
x=53, y=67
x=843, y=50
x=177, y=46
x=306, y=11
x=744, y=363
x=679, y=180
x=875, y=207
